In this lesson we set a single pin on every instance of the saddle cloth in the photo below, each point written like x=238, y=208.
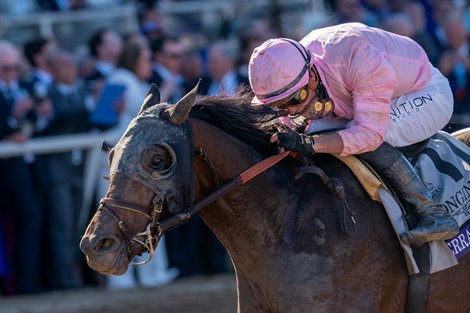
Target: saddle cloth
x=444, y=167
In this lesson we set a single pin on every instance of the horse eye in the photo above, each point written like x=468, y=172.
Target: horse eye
x=156, y=162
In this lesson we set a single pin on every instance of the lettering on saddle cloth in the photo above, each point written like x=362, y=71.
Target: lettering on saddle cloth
x=444, y=167
x=460, y=245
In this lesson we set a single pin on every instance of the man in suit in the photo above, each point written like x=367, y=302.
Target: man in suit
x=17, y=192
x=39, y=78
x=168, y=53
x=223, y=75
x=105, y=46
x=36, y=52
x=455, y=65
x=63, y=191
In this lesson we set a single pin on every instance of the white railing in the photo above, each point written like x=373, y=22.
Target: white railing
x=90, y=142
x=45, y=20
x=63, y=25
x=52, y=144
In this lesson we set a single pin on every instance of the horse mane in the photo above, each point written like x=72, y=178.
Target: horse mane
x=235, y=115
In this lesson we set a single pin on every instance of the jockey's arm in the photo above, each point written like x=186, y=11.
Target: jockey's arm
x=328, y=143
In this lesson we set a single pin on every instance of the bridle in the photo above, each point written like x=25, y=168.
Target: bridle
x=155, y=229
x=149, y=241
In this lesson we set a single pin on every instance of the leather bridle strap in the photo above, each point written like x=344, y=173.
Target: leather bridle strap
x=121, y=227
x=155, y=210
x=237, y=181
x=140, y=209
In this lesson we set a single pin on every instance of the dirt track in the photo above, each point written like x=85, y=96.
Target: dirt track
x=196, y=295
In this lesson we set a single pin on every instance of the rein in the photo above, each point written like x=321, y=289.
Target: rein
x=335, y=186
x=150, y=241
x=235, y=182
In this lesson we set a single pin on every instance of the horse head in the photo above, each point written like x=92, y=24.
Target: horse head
x=150, y=174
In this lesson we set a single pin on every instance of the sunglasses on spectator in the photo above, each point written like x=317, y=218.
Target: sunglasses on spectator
x=294, y=99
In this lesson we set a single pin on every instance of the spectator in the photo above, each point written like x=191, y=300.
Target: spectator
x=222, y=69
x=150, y=22
x=455, y=65
x=105, y=45
x=442, y=10
x=416, y=11
x=346, y=11
x=37, y=81
x=39, y=77
x=36, y=52
x=65, y=172
x=397, y=6
x=466, y=15
x=85, y=63
x=251, y=34
x=133, y=69
x=135, y=37
x=19, y=198
x=193, y=69
x=168, y=52
x=380, y=9
x=400, y=24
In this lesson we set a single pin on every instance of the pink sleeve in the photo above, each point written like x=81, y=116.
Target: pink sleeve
x=372, y=81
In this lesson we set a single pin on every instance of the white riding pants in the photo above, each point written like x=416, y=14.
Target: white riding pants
x=418, y=115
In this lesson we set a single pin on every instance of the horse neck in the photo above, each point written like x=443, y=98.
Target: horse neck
x=275, y=225
x=250, y=211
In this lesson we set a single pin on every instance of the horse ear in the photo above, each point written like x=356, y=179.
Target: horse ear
x=178, y=113
x=152, y=98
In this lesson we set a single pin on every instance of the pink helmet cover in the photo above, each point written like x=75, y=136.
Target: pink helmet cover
x=277, y=68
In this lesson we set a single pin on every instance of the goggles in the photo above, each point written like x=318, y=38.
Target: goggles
x=322, y=106
x=294, y=99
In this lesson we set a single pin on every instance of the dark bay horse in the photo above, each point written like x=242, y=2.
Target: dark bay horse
x=284, y=235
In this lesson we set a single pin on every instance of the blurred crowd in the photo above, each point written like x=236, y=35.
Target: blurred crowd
x=46, y=90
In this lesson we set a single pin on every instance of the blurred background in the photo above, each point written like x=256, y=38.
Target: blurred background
x=58, y=56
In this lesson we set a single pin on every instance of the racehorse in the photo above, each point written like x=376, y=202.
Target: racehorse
x=285, y=235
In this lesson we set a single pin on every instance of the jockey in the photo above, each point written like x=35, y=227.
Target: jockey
x=384, y=89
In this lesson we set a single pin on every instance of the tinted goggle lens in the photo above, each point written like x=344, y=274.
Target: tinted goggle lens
x=298, y=97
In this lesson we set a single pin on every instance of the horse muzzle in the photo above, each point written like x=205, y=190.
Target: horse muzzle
x=105, y=255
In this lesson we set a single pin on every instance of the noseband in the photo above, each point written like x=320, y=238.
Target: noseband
x=149, y=241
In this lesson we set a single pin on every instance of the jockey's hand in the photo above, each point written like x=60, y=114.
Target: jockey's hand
x=293, y=141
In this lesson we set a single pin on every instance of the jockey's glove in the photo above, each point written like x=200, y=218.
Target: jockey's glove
x=291, y=140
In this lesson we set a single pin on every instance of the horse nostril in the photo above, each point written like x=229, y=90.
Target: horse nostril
x=106, y=244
